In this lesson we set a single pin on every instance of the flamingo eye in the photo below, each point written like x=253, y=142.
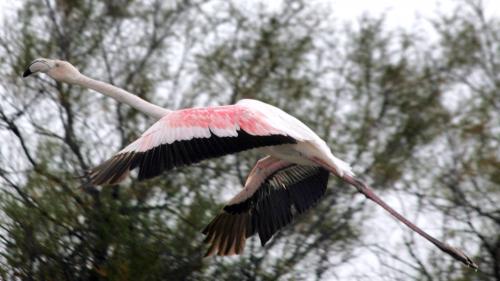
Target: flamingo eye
x=57, y=64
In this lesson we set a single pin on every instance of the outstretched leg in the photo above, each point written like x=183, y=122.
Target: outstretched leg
x=370, y=194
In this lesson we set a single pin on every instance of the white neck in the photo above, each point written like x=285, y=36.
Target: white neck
x=122, y=96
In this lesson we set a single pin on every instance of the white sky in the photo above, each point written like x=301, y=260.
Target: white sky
x=400, y=13
x=8, y=7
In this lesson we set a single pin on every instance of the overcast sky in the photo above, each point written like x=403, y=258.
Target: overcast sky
x=400, y=13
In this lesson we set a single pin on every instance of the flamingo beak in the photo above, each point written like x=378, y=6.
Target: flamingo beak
x=38, y=65
x=27, y=73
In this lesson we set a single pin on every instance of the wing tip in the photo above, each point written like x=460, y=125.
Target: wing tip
x=113, y=170
x=226, y=234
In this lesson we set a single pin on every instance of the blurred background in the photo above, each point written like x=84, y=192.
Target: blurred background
x=409, y=95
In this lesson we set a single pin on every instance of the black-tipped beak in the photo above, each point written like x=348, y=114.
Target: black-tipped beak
x=27, y=73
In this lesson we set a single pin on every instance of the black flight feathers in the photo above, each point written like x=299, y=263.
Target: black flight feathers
x=286, y=193
x=179, y=153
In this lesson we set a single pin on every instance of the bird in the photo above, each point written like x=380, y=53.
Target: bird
x=290, y=179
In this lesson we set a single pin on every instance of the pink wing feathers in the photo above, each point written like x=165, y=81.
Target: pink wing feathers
x=188, y=136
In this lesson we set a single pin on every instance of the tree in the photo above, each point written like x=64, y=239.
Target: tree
x=379, y=98
x=468, y=182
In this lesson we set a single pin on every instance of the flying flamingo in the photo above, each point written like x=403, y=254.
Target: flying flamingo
x=290, y=180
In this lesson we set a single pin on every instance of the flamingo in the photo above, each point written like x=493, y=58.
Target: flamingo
x=285, y=183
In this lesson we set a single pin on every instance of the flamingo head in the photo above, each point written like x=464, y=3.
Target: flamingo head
x=58, y=70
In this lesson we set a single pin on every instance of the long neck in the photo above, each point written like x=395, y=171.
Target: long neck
x=122, y=96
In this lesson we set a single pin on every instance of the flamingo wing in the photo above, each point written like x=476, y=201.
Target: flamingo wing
x=188, y=136
x=290, y=190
